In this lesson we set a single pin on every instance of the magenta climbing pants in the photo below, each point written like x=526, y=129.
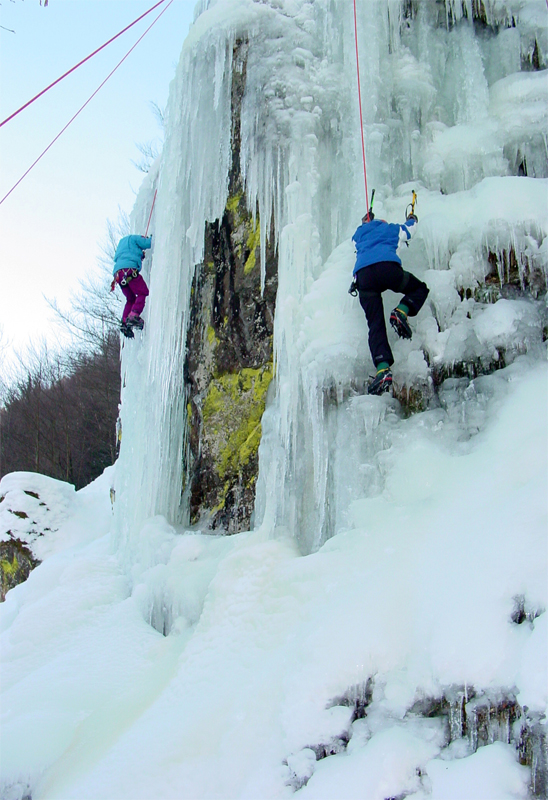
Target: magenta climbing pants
x=135, y=292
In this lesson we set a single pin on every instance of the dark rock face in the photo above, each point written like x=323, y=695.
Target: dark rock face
x=229, y=352
x=16, y=564
x=512, y=276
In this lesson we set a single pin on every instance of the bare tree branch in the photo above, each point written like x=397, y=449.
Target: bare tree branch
x=94, y=310
x=151, y=150
x=159, y=115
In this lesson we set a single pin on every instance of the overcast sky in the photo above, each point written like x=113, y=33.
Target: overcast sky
x=52, y=225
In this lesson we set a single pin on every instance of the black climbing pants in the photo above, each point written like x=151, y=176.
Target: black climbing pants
x=372, y=281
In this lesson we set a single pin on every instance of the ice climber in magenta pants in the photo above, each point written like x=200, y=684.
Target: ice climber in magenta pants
x=127, y=274
x=377, y=269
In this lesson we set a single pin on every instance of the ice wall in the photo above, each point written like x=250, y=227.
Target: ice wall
x=278, y=143
x=191, y=179
x=446, y=106
x=406, y=657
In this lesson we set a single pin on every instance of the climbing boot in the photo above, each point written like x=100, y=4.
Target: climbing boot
x=382, y=382
x=135, y=321
x=126, y=330
x=398, y=320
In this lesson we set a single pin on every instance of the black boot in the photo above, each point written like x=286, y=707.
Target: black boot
x=398, y=320
x=126, y=330
x=382, y=382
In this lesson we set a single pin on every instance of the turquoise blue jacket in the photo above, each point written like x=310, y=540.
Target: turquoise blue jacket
x=129, y=253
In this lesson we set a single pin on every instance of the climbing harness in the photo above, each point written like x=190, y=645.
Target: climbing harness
x=129, y=275
x=119, y=64
x=83, y=61
x=360, y=105
x=123, y=277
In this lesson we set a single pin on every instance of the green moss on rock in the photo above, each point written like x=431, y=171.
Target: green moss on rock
x=9, y=569
x=228, y=366
x=233, y=202
x=16, y=564
x=212, y=337
x=253, y=241
x=232, y=413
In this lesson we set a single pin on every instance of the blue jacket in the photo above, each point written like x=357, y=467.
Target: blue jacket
x=378, y=241
x=129, y=253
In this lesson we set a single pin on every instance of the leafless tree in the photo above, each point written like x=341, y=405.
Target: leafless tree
x=94, y=311
x=151, y=150
x=58, y=417
x=58, y=409
x=10, y=30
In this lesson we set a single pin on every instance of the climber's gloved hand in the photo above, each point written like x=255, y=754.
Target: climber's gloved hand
x=412, y=216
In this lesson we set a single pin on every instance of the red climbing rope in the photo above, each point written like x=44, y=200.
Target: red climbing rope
x=80, y=64
x=151, y=210
x=360, y=104
x=43, y=153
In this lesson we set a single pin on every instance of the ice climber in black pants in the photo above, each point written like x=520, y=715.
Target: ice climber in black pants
x=377, y=269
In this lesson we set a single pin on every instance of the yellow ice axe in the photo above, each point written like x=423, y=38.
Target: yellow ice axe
x=412, y=204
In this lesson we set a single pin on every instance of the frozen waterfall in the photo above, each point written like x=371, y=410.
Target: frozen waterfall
x=380, y=630
x=449, y=112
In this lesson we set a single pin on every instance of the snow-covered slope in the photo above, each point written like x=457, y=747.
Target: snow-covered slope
x=268, y=654
x=381, y=633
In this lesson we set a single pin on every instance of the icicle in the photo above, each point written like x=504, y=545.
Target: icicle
x=298, y=157
x=192, y=188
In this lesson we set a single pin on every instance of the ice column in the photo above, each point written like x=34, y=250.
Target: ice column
x=320, y=192
x=192, y=187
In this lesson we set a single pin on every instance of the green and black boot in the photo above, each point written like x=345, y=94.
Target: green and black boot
x=398, y=320
x=382, y=382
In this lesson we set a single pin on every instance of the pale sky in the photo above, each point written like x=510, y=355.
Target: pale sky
x=52, y=224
